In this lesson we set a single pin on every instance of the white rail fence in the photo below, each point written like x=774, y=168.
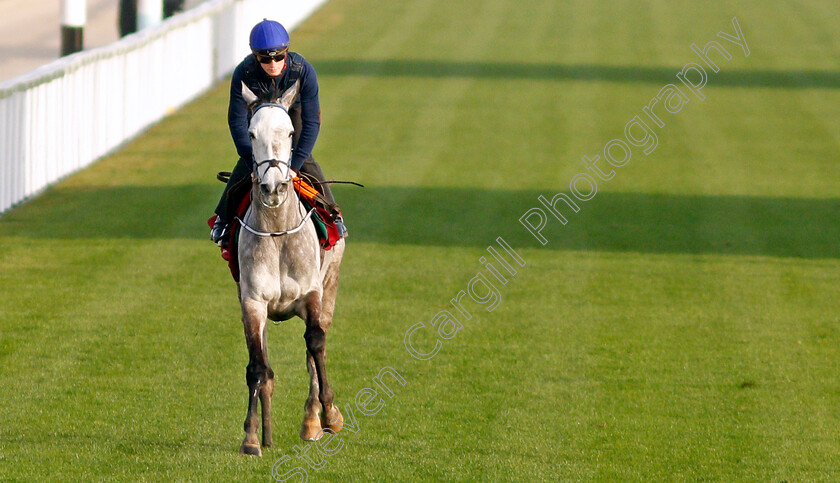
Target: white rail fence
x=67, y=114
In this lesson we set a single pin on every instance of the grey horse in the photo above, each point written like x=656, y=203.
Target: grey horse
x=284, y=272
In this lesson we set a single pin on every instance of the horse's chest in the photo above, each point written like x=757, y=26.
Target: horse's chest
x=291, y=279
x=283, y=294
x=279, y=273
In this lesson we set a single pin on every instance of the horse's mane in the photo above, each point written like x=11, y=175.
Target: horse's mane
x=271, y=96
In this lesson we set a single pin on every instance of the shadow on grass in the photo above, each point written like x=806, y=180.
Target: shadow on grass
x=786, y=79
x=466, y=217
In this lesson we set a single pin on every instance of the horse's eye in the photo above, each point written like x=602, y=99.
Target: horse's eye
x=251, y=135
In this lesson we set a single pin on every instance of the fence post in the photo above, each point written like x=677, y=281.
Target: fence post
x=149, y=13
x=72, y=26
x=89, y=104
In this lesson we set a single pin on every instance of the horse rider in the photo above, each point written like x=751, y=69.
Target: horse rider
x=271, y=69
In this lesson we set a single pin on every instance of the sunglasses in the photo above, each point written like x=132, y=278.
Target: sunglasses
x=268, y=57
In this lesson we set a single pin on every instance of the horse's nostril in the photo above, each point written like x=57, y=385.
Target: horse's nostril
x=264, y=189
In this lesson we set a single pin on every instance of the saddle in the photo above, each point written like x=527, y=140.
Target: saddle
x=324, y=214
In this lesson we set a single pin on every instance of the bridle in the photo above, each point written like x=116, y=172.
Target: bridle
x=274, y=163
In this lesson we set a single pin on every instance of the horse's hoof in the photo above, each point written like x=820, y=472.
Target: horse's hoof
x=333, y=420
x=310, y=430
x=250, y=449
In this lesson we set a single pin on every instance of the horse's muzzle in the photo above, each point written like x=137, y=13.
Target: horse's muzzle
x=270, y=197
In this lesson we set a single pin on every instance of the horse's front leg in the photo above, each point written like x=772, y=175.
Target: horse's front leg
x=316, y=347
x=258, y=375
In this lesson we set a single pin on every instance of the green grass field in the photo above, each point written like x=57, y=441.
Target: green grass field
x=683, y=326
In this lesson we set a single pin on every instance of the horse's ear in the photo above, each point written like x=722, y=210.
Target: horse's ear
x=248, y=95
x=289, y=96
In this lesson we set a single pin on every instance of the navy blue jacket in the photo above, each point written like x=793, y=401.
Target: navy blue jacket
x=262, y=85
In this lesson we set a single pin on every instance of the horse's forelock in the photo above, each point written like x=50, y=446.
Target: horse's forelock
x=270, y=97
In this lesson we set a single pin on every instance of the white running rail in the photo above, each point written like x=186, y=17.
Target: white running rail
x=67, y=114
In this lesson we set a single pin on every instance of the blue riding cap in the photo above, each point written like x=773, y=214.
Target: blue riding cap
x=268, y=35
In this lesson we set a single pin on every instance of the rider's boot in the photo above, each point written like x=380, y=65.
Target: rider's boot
x=219, y=232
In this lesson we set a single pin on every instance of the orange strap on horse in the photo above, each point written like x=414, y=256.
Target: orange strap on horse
x=310, y=194
x=306, y=190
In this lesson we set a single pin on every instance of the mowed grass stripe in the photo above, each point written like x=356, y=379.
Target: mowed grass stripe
x=682, y=326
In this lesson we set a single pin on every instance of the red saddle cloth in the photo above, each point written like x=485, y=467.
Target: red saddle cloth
x=327, y=231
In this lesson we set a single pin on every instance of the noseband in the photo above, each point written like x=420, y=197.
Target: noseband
x=275, y=163
x=272, y=163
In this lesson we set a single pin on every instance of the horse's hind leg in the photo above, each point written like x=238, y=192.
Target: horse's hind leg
x=259, y=376
x=311, y=427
